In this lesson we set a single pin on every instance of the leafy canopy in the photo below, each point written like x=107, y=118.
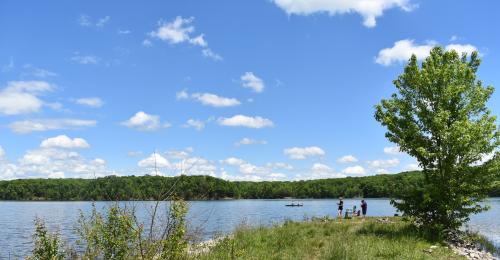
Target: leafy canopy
x=439, y=116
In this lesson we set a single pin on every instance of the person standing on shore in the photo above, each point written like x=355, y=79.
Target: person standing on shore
x=364, y=207
x=341, y=207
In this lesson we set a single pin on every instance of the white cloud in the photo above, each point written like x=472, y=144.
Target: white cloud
x=392, y=150
x=279, y=165
x=194, y=123
x=301, y=153
x=22, y=97
x=85, y=59
x=181, y=30
x=28, y=126
x=38, y=72
x=208, y=99
x=179, y=154
x=267, y=172
x=403, y=49
x=249, y=141
x=384, y=163
x=246, y=121
x=382, y=171
x=102, y=21
x=198, y=40
x=356, y=170
x=94, y=102
x=195, y=166
x=461, y=48
x=174, y=32
x=63, y=141
x=145, y=122
x=323, y=171
x=233, y=161
x=55, y=158
x=86, y=21
x=214, y=100
x=347, y=159
x=2, y=153
x=369, y=10
x=412, y=167
x=58, y=163
x=211, y=54
x=250, y=80
x=147, y=43
x=154, y=160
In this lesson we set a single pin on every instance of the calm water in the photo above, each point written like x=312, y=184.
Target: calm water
x=16, y=218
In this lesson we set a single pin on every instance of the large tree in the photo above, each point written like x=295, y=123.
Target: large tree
x=439, y=116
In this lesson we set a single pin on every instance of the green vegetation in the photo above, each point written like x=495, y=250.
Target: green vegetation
x=118, y=234
x=332, y=239
x=439, y=116
x=205, y=187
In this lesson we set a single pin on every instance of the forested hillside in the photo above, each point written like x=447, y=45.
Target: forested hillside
x=206, y=187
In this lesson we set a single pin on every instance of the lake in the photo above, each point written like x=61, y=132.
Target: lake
x=213, y=217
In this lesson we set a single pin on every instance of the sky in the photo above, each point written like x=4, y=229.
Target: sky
x=240, y=90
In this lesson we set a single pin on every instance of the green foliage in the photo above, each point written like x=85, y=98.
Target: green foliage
x=205, y=187
x=47, y=246
x=439, y=116
x=330, y=239
x=112, y=236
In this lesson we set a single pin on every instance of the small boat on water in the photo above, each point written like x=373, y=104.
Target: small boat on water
x=293, y=204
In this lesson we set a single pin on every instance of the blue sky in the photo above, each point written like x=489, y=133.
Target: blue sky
x=242, y=90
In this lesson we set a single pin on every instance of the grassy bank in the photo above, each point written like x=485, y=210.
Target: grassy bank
x=331, y=239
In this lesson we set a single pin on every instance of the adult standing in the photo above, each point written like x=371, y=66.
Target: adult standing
x=364, y=207
x=340, y=207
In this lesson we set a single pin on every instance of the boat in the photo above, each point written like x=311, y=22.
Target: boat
x=293, y=204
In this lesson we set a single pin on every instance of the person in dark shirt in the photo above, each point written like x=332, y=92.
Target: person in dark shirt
x=364, y=207
x=341, y=207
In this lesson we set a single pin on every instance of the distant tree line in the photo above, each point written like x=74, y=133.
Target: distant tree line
x=210, y=188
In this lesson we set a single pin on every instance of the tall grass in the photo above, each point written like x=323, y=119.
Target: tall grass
x=332, y=239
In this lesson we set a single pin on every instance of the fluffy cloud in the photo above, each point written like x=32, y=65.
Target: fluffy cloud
x=253, y=82
x=259, y=173
x=55, y=158
x=94, y=102
x=57, y=163
x=403, y=49
x=194, y=123
x=63, y=141
x=392, y=150
x=347, y=159
x=369, y=10
x=154, y=160
x=180, y=30
x=22, y=97
x=356, y=170
x=301, y=153
x=38, y=125
x=246, y=121
x=384, y=163
x=209, y=99
x=145, y=122
x=249, y=141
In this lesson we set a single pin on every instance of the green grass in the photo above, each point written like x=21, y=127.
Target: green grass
x=331, y=239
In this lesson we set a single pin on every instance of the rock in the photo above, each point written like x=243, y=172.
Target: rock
x=434, y=247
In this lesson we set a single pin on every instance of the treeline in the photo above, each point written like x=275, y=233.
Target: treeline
x=206, y=187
